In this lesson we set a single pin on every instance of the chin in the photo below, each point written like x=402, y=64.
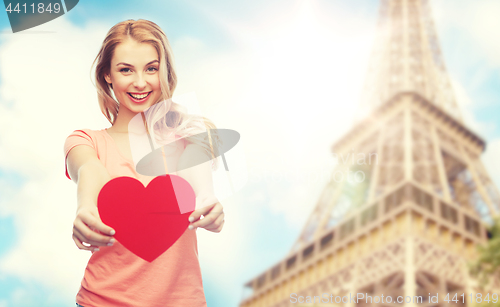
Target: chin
x=139, y=109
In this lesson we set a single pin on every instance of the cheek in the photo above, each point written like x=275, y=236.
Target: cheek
x=120, y=83
x=156, y=84
x=157, y=89
x=122, y=87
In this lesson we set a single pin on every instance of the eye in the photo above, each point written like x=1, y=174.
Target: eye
x=155, y=69
x=121, y=70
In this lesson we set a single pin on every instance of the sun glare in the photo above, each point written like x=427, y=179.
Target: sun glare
x=307, y=56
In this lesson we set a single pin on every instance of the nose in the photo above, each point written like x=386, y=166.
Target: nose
x=140, y=81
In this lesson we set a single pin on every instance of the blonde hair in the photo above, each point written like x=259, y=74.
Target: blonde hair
x=175, y=119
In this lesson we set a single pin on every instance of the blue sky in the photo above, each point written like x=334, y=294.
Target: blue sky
x=250, y=65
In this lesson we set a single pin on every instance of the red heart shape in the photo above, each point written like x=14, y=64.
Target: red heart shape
x=147, y=220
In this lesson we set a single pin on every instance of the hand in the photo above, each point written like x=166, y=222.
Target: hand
x=213, y=215
x=88, y=228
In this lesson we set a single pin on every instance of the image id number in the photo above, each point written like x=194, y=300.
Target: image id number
x=40, y=8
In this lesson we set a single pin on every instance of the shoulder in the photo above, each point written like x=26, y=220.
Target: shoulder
x=87, y=137
x=84, y=136
x=87, y=132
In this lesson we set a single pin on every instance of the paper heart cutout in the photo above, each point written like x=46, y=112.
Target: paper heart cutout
x=147, y=220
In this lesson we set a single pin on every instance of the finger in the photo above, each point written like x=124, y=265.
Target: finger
x=202, y=211
x=213, y=226
x=89, y=235
x=83, y=240
x=78, y=235
x=220, y=227
x=95, y=243
x=216, y=223
x=95, y=222
x=80, y=245
x=208, y=219
x=215, y=208
x=78, y=242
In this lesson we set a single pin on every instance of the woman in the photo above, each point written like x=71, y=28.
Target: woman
x=135, y=63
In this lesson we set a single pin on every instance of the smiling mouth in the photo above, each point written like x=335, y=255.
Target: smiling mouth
x=139, y=97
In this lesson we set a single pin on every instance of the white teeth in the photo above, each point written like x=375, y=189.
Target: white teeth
x=139, y=96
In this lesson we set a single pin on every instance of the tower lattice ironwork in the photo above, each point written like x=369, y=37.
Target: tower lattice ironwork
x=404, y=214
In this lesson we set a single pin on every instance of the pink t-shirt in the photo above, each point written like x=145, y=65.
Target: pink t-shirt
x=114, y=276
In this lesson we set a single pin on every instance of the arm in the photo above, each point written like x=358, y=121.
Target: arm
x=200, y=179
x=90, y=175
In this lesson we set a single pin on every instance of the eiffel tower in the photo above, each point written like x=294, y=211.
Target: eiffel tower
x=410, y=216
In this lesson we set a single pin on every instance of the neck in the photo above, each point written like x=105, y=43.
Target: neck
x=122, y=120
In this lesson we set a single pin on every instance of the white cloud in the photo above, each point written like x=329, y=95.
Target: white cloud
x=476, y=22
x=466, y=106
x=22, y=297
x=474, y=53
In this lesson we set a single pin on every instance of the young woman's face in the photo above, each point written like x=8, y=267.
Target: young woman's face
x=134, y=76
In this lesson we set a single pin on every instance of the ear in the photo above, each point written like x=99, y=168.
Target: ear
x=107, y=78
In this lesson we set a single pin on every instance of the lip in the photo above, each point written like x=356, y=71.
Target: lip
x=138, y=101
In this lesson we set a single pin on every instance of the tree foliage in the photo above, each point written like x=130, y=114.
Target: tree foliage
x=488, y=263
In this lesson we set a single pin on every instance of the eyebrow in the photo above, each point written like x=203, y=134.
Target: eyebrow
x=153, y=61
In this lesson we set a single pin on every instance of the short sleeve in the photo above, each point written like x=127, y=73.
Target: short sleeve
x=77, y=137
